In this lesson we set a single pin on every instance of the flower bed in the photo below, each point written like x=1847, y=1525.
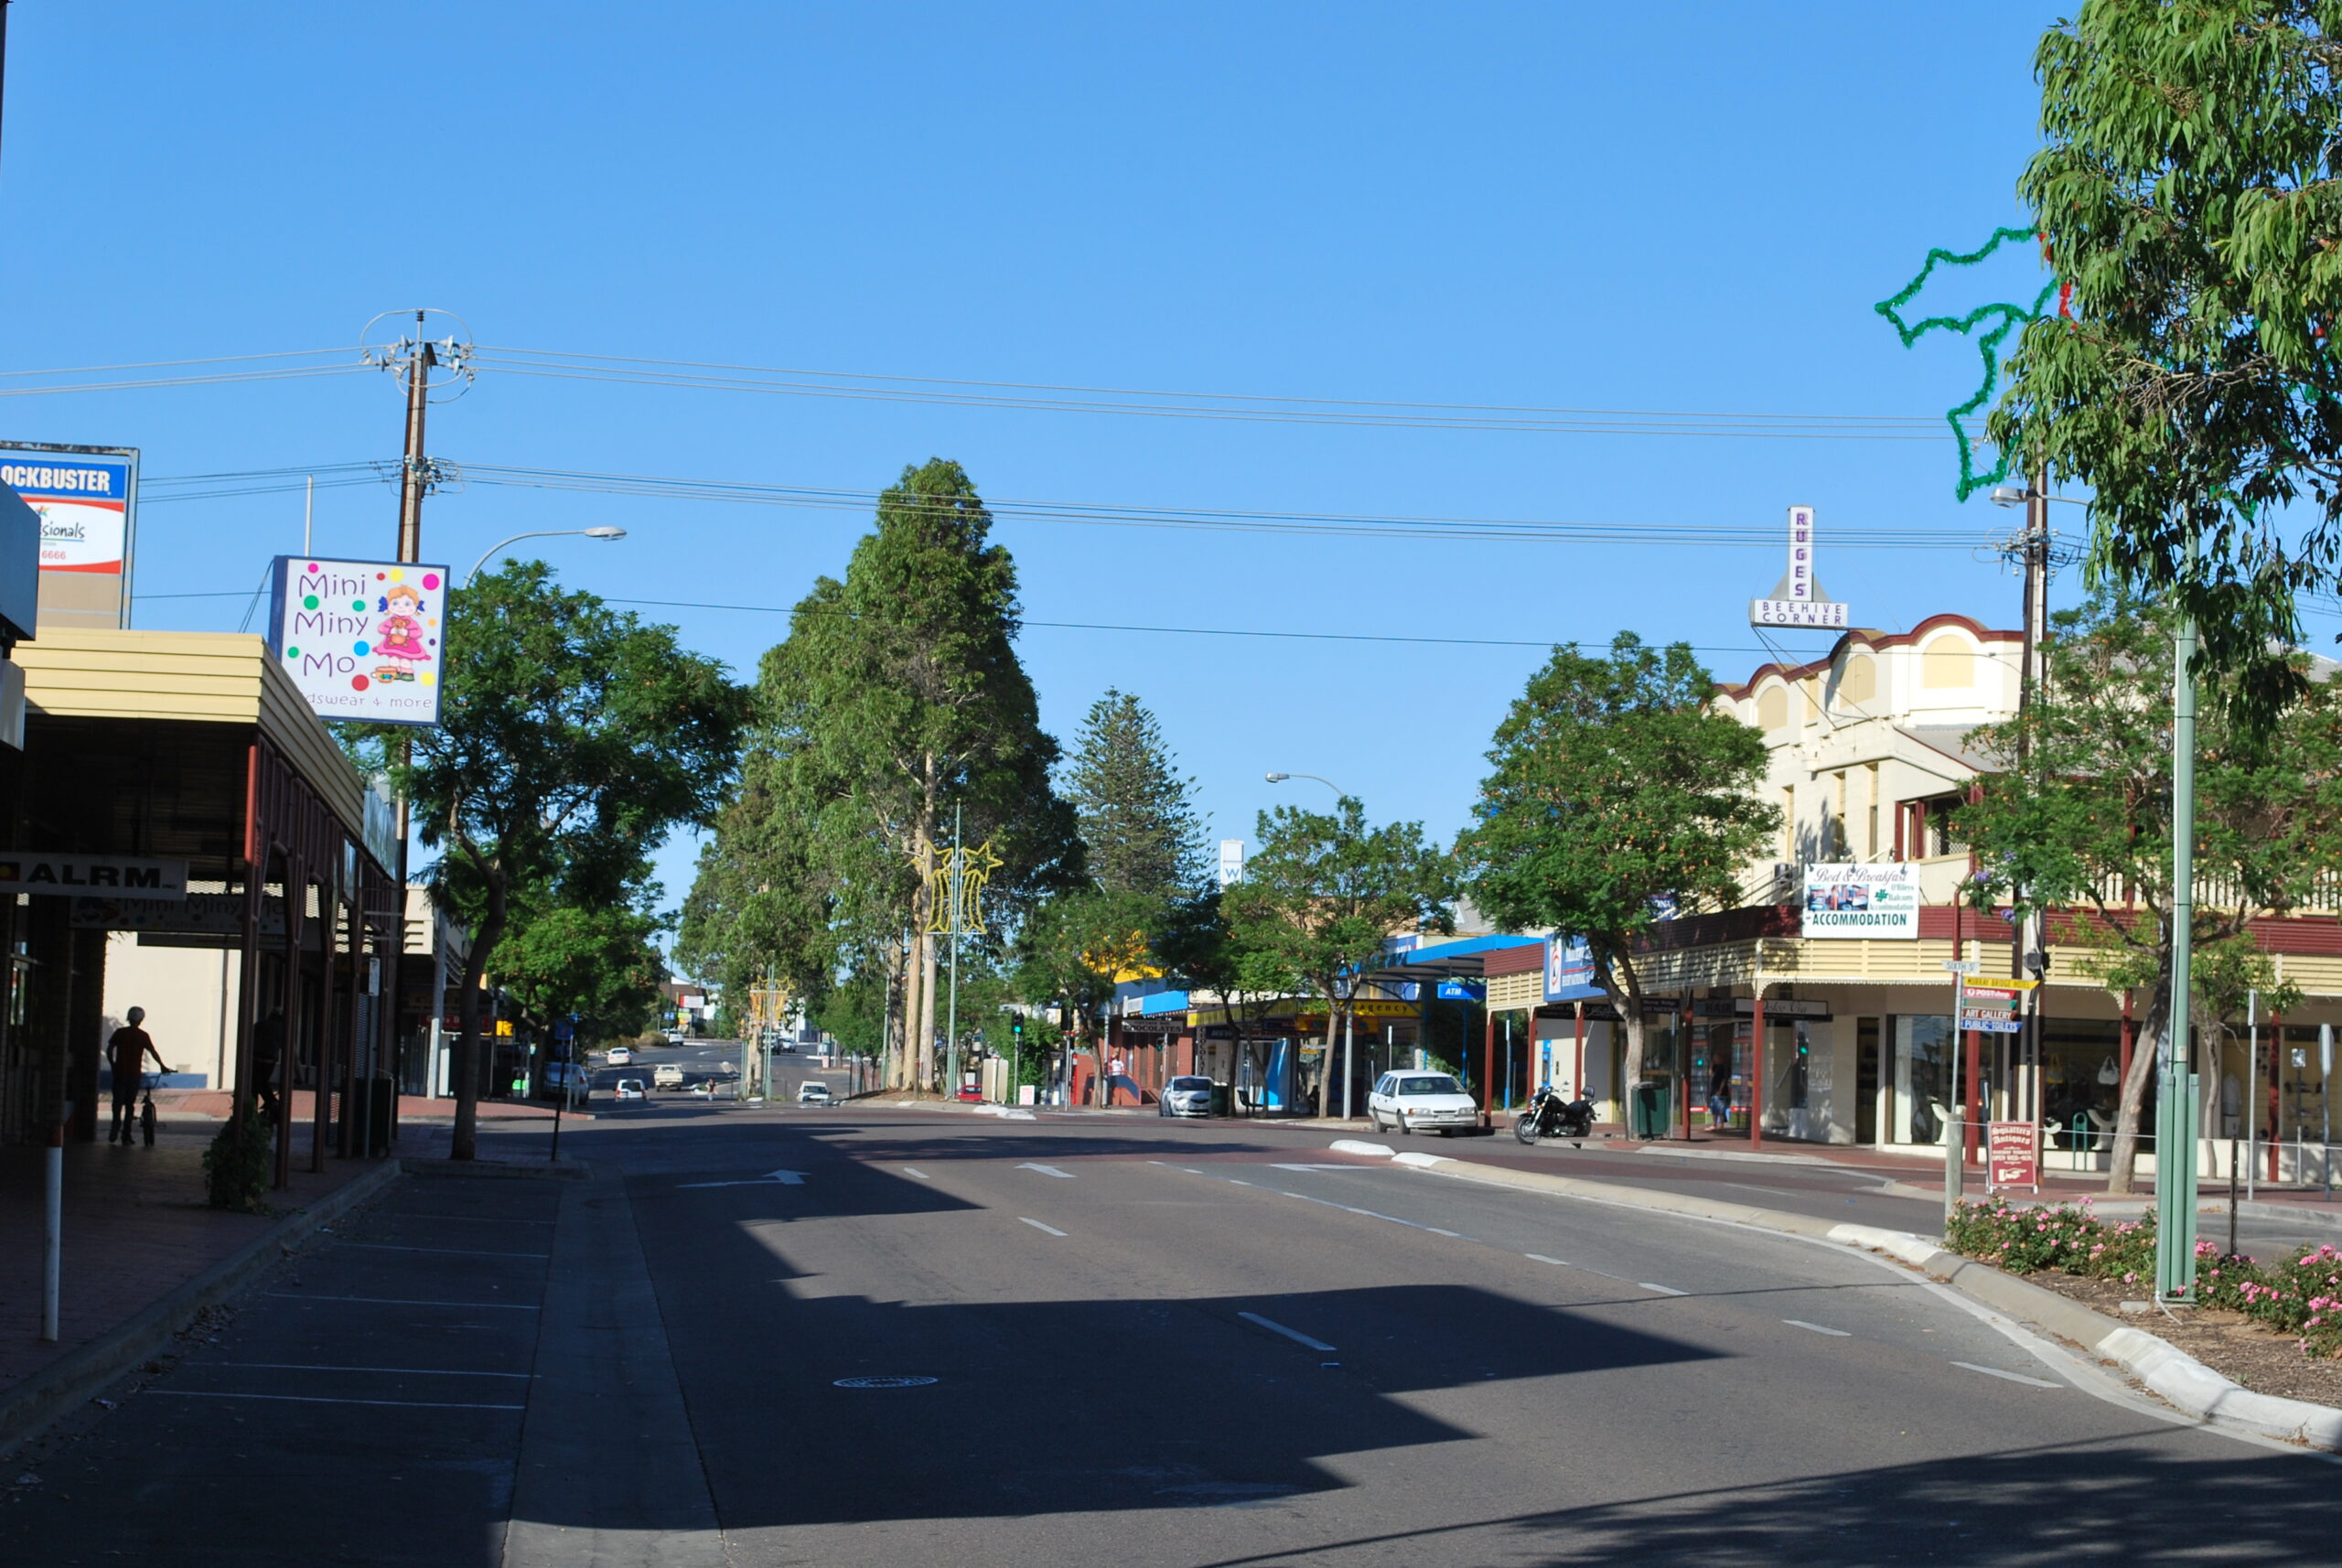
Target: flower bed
x=2300, y=1297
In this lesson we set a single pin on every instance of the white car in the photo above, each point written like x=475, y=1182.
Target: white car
x=1430, y=1101
x=632, y=1088
x=1186, y=1096
x=621, y=1056
x=813, y=1091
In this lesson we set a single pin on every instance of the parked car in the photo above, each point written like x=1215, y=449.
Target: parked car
x=667, y=1075
x=632, y=1088
x=1430, y=1101
x=813, y=1091
x=560, y=1078
x=1186, y=1097
x=970, y=1095
x=621, y=1056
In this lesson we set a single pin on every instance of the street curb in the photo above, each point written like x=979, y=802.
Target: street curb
x=2183, y=1381
x=497, y=1170
x=76, y=1377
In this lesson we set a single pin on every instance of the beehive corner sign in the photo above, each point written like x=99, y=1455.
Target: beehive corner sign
x=1797, y=599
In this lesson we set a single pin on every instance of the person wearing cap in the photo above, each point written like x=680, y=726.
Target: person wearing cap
x=128, y=1050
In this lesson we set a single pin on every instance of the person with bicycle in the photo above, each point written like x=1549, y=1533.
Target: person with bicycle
x=128, y=1050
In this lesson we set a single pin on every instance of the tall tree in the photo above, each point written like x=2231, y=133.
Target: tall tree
x=1320, y=897
x=1137, y=814
x=1077, y=947
x=2087, y=826
x=897, y=699
x=573, y=739
x=2187, y=196
x=1617, y=790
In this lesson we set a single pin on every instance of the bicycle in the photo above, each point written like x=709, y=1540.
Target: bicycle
x=146, y=1109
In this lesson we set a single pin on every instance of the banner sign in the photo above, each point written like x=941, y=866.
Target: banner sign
x=1879, y=899
x=1777, y=1009
x=198, y=914
x=364, y=639
x=1462, y=990
x=2013, y=1154
x=72, y=875
x=86, y=498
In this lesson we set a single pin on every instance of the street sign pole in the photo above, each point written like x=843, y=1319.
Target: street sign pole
x=2175, y=1107
x=1953, y=1172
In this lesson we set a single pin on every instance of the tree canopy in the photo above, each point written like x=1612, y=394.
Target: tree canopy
x=1616, y=786
x=2186, y=196
x=1136, y=812
x=897, y=698
x=1321, y=895
x=573, y=738
x=2087, y=826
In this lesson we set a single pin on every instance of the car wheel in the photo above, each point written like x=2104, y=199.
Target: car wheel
x=1403, y=1124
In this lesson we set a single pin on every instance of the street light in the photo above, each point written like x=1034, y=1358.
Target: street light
x=603, y=532
x=1281, y=778
x=2017, y=494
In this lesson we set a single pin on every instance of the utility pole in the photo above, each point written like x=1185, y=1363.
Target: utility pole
x=2175, y=1107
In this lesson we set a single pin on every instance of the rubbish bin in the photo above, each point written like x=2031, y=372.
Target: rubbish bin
x=1222, y=1099
x=1650, y=1112
x=381, y=1112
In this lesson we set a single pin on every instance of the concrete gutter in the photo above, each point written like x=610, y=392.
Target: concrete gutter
x=78, y=1376
x=2183, y=1381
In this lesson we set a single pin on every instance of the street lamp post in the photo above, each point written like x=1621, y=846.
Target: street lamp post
x=605, y=532
x=1281, y=778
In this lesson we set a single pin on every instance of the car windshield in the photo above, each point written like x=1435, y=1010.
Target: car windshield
x=1428, y=1085
x=1194, y=1083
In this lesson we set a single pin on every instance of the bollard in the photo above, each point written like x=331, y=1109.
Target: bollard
x=52, y=1233
x=1953, y=1172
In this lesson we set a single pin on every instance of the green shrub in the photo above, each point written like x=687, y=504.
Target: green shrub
x=236, y=1165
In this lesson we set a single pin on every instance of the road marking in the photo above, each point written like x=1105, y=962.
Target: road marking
x=1816, y=1328
x=1663, y=1290
x=1282, y=1168
x=1305, y=1197
x=1435, y=1230
x=1540, y=1258
x=2012, y=1377
x=1237, y=1180
x=1292, y=1334
x=1047, y=1170
x=399, y=1371
x=1038, y=1226
x=402, y=1301
x=915, y=1171
x=465, y=1218
x=786, y=1178
x=449, y=1252
x=312, y=1399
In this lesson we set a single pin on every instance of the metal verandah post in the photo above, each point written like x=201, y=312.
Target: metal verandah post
x=2175, y=1106
x=297, y=908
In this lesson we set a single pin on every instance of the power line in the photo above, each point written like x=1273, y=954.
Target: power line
x=295, y=372
x=173, y=364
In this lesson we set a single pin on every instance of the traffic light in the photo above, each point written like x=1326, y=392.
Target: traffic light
x=1016, y=1028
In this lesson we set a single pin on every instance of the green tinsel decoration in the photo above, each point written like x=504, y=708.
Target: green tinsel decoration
x=2003, y=318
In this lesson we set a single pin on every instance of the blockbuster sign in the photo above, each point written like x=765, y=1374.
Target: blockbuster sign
x=364, y=639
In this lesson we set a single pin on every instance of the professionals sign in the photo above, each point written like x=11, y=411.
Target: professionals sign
x=1569, y=970
x=364, y=639
x=78, y=875
x=1875, y=900
x=86, y=498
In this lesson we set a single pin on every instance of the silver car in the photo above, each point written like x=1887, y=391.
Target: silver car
x=1185, y=1096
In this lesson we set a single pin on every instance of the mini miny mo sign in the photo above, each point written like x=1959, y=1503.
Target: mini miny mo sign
x=80, y=874
x=364, y=639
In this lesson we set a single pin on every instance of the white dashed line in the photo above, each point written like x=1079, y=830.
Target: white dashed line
x=1047, y=1170
x=1663, y=1290
x=1540, y=1258
x=1292, y=1334
x=1435, y=1230
x=1816, y=1328
x=2012, y=1377
x=915, y=1171
x=1038, y=1226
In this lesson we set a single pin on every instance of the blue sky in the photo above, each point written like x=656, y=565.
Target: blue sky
x=1691, y=208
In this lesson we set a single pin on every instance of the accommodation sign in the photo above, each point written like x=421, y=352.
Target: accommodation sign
x=80, y=876
x=1873, y=898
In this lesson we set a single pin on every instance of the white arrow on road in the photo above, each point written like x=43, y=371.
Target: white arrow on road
x=786, y=1178
x=1047, y=1170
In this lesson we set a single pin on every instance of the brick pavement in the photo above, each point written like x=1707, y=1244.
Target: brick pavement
x=136, y=1228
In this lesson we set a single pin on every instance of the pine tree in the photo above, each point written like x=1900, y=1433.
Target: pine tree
x=1136, y=812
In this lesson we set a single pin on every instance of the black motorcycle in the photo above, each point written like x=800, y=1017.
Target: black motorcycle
x=1551, y=1116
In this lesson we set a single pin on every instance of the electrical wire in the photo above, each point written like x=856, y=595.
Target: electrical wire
x=173, y=364
x=286, y=374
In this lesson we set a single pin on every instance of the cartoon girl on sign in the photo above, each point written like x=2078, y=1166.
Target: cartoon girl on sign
x=399, y=634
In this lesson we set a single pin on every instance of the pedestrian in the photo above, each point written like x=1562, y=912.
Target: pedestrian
x=128, y=1050
x=1719, y=1094
x=268, y=1056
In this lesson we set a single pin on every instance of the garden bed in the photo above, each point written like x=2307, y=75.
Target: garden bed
x=2274, y=1328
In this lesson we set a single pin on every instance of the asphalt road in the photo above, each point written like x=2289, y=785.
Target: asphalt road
x=1121, y=1341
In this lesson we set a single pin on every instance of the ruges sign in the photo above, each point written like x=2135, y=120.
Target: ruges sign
x=1798, y=599
x=81, y=874
x=364, y=639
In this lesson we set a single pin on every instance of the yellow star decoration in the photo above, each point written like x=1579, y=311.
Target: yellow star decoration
x=976, y=865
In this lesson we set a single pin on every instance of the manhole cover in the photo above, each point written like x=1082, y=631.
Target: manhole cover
x=895, y=1381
